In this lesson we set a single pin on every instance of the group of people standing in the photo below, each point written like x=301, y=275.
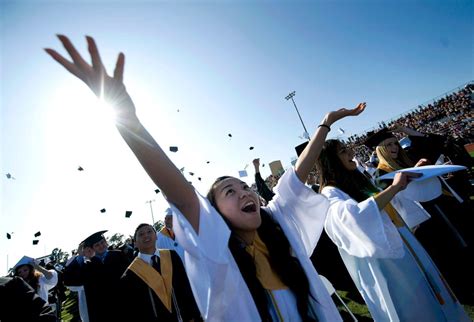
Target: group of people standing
x=242, y=261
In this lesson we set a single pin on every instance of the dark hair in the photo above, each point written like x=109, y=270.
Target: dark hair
x=287, y=267
x=138, y=228
x=33, y=276
x=333, y=173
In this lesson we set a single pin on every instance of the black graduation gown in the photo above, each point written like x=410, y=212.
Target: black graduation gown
x=101, y=284
x=19, y=302
x=140, y=303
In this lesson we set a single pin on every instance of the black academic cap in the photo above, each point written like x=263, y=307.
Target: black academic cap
x=173, y=148
x=157, y=190
x=230, y=135
x=35, y=241
x=128, y=213
x=9, y=236
x=251, y=148
x=199, y=178
x=300, y=148
x=80, y=168
x=263, y=165
x=8, y=176
x=38, y=234
x=191, y=173
x=102, y=210
x=375, y=138
x=208, y=162
x=94, y=238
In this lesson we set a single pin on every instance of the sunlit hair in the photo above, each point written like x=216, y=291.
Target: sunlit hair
x=287, y=267
x=138, y=228
x=33, y=276
x=387, y=161
x=333, y=173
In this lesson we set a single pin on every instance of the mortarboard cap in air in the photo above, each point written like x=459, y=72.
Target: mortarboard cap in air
x=251, y=148
x=80, y=168
x=94, y=238
x=375, y=138
x=35, y=241
x=128, y=213
x=38, y=234
x=157, y=190
x=102, y=210
x=9, y=236
x=173, y=148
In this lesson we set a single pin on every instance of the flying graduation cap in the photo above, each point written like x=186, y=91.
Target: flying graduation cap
x=208, y=162
x=35, y=241
x=128, y=213
x=199, y=178
x=251, y=148
x=9, y=236
x=80, y=168
x=9, y=176
x=102, y=210
x=229, y=135
x=191, y=173
x=173, y=148
x=157, y=190
x=38, y=234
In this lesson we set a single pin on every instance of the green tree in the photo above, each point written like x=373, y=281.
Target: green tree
x=59, y=256
x=116, y=240
x=159, y=225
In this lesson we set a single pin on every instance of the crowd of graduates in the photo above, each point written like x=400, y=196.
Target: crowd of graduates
x=400, y=239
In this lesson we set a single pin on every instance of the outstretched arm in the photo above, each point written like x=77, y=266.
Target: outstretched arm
x=111, y=89
x=311, y=153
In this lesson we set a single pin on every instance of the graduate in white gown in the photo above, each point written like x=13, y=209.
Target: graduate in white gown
x=392, y=271
x=235, y=270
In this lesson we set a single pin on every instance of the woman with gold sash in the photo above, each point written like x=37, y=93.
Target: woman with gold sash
x=392, y=271
x=244, y=262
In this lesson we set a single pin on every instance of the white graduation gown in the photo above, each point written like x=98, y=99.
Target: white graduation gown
x=46, y=284
x=164, y=242
x=218, y=286
x=385, y=271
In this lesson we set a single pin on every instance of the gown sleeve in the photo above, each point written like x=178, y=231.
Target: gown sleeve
x=361, y=229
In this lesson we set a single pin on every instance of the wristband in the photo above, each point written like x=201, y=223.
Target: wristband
x=326, y=126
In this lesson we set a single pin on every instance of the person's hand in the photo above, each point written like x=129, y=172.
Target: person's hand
x=110, y=89
x=422, y=162
x=402, y=179
x=334, y=116
x=256, y=163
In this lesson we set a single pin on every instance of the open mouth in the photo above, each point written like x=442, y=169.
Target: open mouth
x=249, y=207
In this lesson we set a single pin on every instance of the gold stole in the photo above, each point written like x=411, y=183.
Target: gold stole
x=161, y=284
x=265, y=273
x=165, y=231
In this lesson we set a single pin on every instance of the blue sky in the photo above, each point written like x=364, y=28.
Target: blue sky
x=227, y=66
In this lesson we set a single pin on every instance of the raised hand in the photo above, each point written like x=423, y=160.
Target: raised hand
x=422, y=162
x=402, y=179
x=107, y=88
x=334, y=116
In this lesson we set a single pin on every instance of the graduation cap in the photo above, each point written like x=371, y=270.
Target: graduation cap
x=25, y=260
x=9, y=236
x=199, y=178
x=94, y=238
x=35, y=241
x=102, y=210
x=128, y=213
x=375, y=138
x=173, y=148
x=251, y=148
x=157, y=190
x=208, y=162
x=9, y=176
x=263, y=165
x=80, y=168
x=230, y=135
x=38, y=234
x=300, y=148
x=191, y=173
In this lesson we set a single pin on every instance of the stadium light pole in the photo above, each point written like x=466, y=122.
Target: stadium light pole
x=290, y=96
x=151, y=209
